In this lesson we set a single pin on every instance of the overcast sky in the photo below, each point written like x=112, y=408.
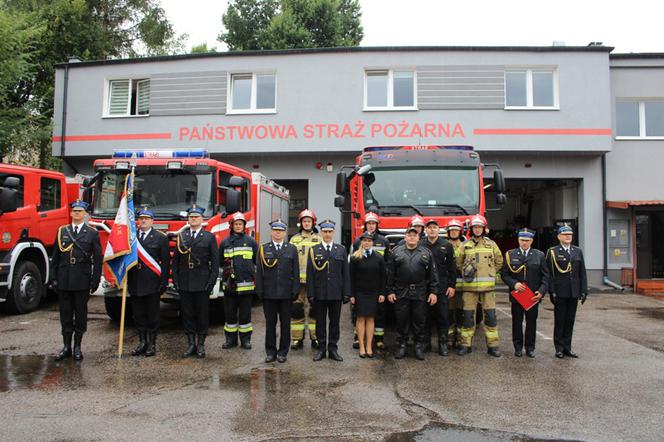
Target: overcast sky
x=631, y=26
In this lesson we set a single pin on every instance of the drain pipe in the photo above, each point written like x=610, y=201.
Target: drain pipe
x=605, y=216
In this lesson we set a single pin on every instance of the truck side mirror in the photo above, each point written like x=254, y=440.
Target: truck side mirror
x=498, y=181
x=339, y=201
x=235, y=181
x=87, y=195
x=341, y=183
x=233, y=200
x=8, y=200
x=369, y=179
x=501, y=199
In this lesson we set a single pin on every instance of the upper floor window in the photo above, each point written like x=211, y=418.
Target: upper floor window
x=642, y=119
x=388, y=89
x=531, y=89
x=128, y=97
x=253, y=93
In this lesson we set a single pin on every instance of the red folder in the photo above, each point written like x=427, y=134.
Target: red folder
x=525, y=298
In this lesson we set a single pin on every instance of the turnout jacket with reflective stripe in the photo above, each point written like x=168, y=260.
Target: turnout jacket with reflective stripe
x=238, y=254
x=485, y=256
x=303, y=241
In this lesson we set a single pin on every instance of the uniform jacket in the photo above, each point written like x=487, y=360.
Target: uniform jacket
x=328, y=274
x=303, y=241
x=485, y=257
x=531, y=269
x=277, y=273
x=443, y=256
x=196, y=262
x=238, y=257
x=77, y=266
x=457, y=244
x=143, y=281
x=412, y=273
x=568, y=272
x=380, y=245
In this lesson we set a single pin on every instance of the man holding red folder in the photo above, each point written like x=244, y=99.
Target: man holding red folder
x=526, y=274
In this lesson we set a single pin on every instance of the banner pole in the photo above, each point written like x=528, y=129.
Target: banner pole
x=122, y=319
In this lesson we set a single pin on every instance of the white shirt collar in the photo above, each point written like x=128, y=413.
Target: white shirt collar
x=147, y=232
x=279, y=244
x=525, y=252
x=328, y=244
x=74, y=226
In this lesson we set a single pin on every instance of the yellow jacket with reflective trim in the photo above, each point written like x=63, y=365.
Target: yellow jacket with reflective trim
x=457, y=244
x=485, y=255
x=303, y=241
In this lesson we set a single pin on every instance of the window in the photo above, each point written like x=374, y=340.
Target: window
x=253, y=93
x=531, y=89
x=49, y=198
x=640, y=119
x=128, y=97
x=19, y=190
x=389, y=89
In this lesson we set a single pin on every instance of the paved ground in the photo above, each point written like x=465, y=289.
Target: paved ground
x=613, y=392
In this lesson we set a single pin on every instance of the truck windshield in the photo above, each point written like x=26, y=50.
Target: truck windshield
x=423, y=190
x=166, y=193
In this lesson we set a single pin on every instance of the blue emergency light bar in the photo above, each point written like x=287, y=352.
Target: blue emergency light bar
x=161, y=154
x=385, y=148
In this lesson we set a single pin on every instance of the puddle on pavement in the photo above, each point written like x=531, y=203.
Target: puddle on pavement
x=655, y=313
x=37, y=372
x=440, y=432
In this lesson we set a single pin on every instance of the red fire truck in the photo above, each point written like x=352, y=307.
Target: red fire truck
x=168, y=182
x=33, y=204
x=397, y=182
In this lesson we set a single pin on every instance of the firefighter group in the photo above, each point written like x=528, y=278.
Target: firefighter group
x=433, y=283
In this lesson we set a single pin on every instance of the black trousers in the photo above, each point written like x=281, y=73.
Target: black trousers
x=73, y=311
x=438, y=317
x=146, y=312
x=518, y=313
x=325, y=310
x=277, y=309
x=237, y=313
x=411, y=314
x=195, y=312
x=564, y=313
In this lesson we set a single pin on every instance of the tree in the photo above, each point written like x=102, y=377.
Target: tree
x=90, y=29
x=202, y=49
x=264, y=24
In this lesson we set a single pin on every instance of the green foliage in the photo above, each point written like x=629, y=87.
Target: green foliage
x=202, y=49
x=266, y=24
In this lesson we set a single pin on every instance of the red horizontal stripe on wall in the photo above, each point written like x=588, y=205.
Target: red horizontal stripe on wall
x=542, y=131
x=116, y=137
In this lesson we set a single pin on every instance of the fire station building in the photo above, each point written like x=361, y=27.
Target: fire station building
x=577, y=131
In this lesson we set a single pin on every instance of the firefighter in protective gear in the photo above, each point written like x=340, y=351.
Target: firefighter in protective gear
x=455, y=304
x=417, y=222
x=382, y=246
x=480, y=260
x=238, y=258
x=302, y=315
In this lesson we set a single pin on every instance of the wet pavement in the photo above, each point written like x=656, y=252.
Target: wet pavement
x=612, y=392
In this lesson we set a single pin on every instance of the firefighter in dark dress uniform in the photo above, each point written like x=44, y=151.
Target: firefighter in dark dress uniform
x=278, y=285
x=195, y=272
x=568, y=286
x=525, y=266
x=76, y=265
x=147, y=281
x=238, y=258
x=412, y=285
x=328, y=287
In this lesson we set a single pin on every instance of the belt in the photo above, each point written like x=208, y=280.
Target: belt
x=412, y=286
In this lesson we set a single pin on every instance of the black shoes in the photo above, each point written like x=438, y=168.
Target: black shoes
x=151, y=341
x=78, y=355
x=281, y=358
x=530, y=353
x=463, y=350
x=142, y=345
x=200, y=348
x=270, y=358
x=419, y=352
x=66, y=349
x=570, y=353
x=320, y=354
x=335, y=355
x=297, y=344
x=442, y=348
x=518, y=353
x=191, y=349
x=560, y=355
x=401, y=352
x=493, y=351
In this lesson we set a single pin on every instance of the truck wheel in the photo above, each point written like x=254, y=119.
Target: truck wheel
x=217, y=311
x=27, y=289
x=113, y=306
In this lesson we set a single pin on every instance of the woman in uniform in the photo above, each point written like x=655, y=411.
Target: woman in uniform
x=367, y=279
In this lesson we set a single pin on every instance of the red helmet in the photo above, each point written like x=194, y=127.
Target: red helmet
x=371, y=217
x=238, y=216
x=478, y=220
x=305, y=213
x=415, y=220
x=454, y=224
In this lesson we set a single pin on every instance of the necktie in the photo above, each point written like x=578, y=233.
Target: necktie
x=75, y=230
x=193, y=234
x=278, y=247
x=142, y=236
x=328, y=248
x=367, y=254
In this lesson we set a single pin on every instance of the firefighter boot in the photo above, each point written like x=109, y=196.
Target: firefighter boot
x=200, y=349
x=493, y=351
x=66, y=349
x=356, y=341
x=78, y=354
x=231, y=340
x=380, y=343
x=442, y=347
x=191, y=349
x=142, y=345
x=419, y=351
x=151, y=348
x=245, y=340
x=463, y=350
x=297, y=344
x=401, y=351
